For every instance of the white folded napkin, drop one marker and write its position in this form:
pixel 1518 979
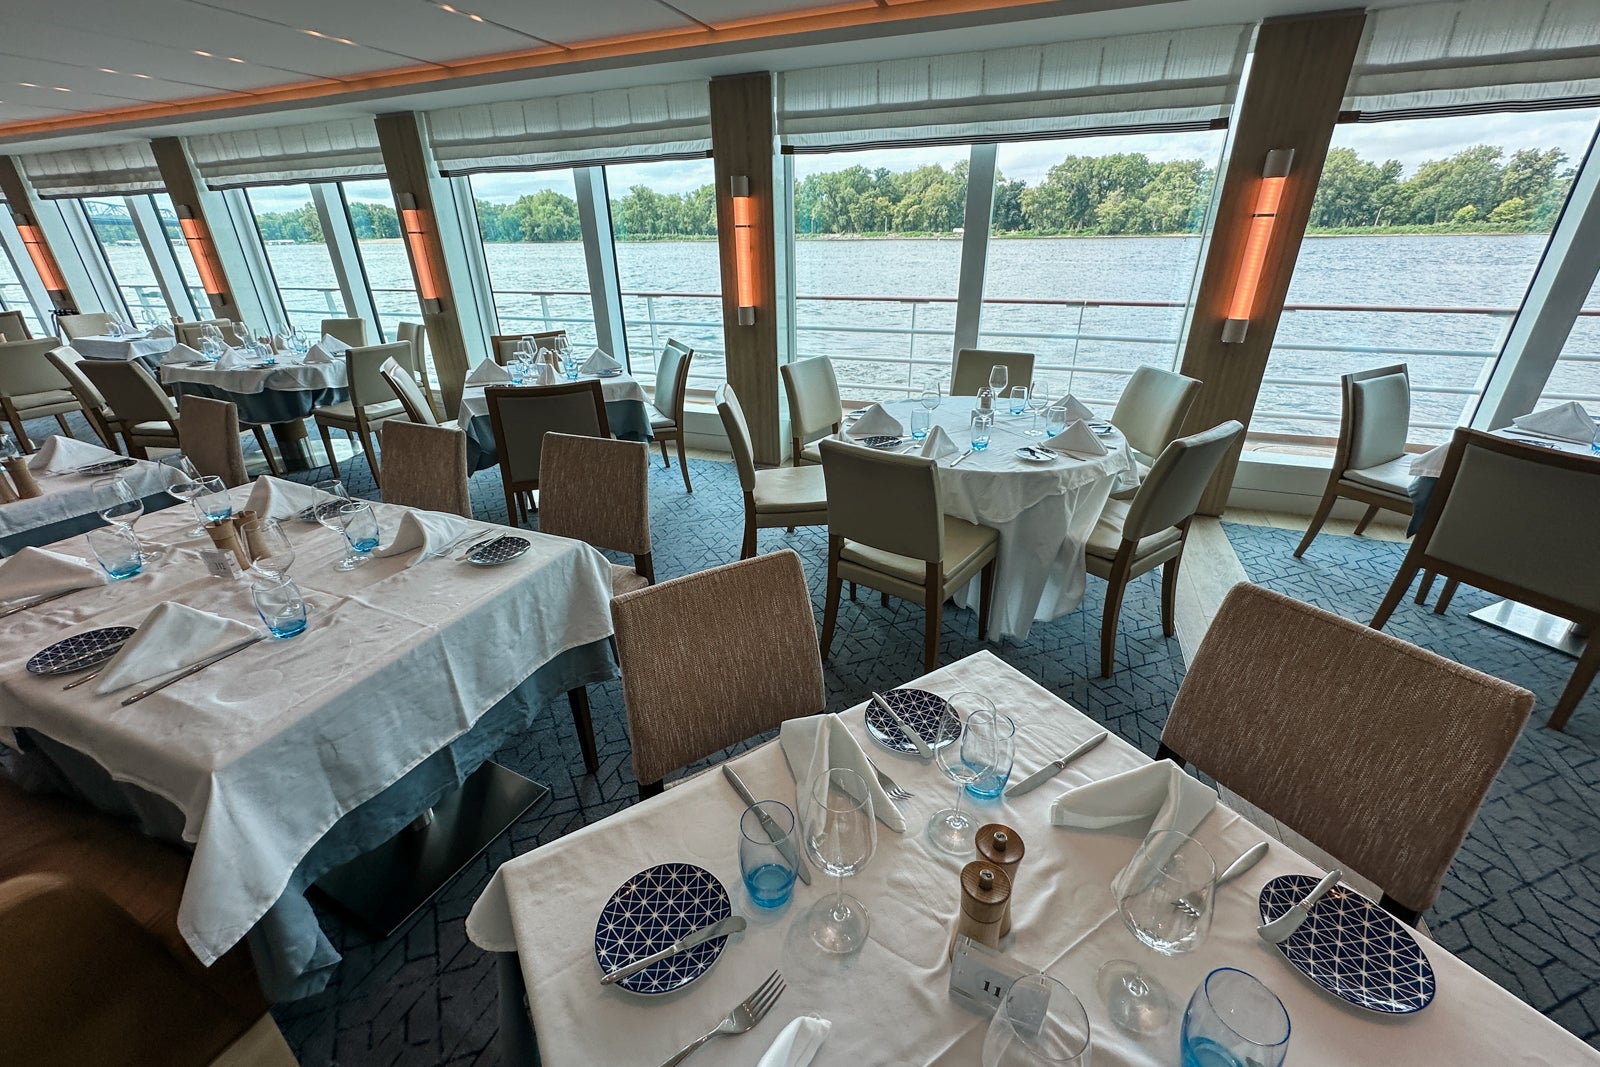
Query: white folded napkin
pixel 170 638
pixel 1078 439
pixel 876 423
pixel 599 360
pixel 938 445
pixel 431 531
pixel 181 353
pixel 318 354
pixel 1178 801
pixel 60 453
pixel 1076 409
pixel 1568 421
pixel 815 743
pixel 488 373
pixel 235 359
pixel 35 572
pixel 796 1043
pixel 277 498
pixel 160 329
pixel 332 345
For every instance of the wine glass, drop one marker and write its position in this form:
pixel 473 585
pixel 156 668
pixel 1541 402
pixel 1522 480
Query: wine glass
pixel 327 513
pixel 998 376
pixel 964 762
pixel 841 833
pixel 121 506
pixel 1040 1021
pixel 1038 400
pixel 933 395
pixel 277 554
pixel 212 502
pixel 184 485
pixel 360 528
pixel 1164 899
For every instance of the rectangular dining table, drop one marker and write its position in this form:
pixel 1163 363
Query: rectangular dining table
pixel 889 1003
pixel 68 504
pixel 293 757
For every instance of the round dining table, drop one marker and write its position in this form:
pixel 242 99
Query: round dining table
pixel 627 413
pixel 281 395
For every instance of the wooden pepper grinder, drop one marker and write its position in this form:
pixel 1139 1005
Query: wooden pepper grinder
pixel 984 893
pixel 23 477
pixel 7 493
pixel 226 537
pixel 249 534
pixel 1002 847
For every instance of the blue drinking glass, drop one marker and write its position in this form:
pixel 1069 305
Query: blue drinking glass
pixel 280 606
pixel 1234 1021
pixel 991 740
pixel 982 427
pixel 768 873
pixel 360 527
pixel 116 549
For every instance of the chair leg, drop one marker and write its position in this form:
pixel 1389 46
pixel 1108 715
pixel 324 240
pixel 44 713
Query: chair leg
pixel 578 699
pixel 933 599
pixel 883 600
pixel 327 443
pixel 1397 590
pixel 651 789
pixel 985 597
pixel 683 464
pixel 748 549
pixel 369 443
pixel 1329 497
pixel 1450 586
pixel 852 592
pixel 20 431
pixel 665 462
pixel 266 450
pixel 1424 587
pixel 1577 685
pixel 513 509
pixel 61 420
pixel 1366 520
pixel 830 602
pixel 1169 595
pixel 1116 585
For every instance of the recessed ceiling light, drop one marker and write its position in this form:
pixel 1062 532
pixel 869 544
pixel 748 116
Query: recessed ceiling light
pixel 235 59
pixel 202 52
pixel 29 85
pixel 146 77
pixel 107 70
pixel 475 18
pixel 59 89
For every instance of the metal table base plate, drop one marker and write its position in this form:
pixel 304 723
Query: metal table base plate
pixel 1535 625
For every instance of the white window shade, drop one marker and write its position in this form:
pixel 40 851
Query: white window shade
pixel 322 151
pixel 1173 80
pixel 1476 55
pixel 111 170
pixel 651 121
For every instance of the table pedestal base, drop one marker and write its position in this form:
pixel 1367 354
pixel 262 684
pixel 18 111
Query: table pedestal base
pixel 1552 631
pixel 385 887
pixel 293 445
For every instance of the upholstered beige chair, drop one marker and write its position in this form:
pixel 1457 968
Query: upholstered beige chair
pixel 416 334
pixel 143 413
pixel 93 324
pixel 887 530
pixel 746 664
pixel 13 327
pixel 1376 750
pixel 30 388
pixel 504 345
pixel 597 490
pixel 189 333
pixel 208 432
pixel 65 361
pixel 426 467
pixel 672 385
pixel 1517 521
pixel 352 332
pixel 815 408
pixel 1152 407
pixel 410 393
pixel 1137 536
pixel 1369 461
pixel 778 496
pixel 972 366
pixel 520 416
pixel 371 402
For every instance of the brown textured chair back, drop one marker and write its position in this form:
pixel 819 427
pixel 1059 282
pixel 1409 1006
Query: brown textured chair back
pixel 188 333
pixel 352 332
pixel 814 404
pixel 92 324
pixel 425 467
pixel 410 393
pixel 596 489
pixel 26 369
pixel 1378 751
pixel 66 360
pixel 1171 493
pixel 884 501
pixel 747 663
pixel 1152 407
pixel 208 433
pixel 13 327
pixel 130 391
pixel 504 345
pixel 972 367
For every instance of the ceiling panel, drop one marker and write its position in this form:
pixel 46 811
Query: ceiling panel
pixel 576 23
pixel 83 51
pixel 722 12
pixel 410 28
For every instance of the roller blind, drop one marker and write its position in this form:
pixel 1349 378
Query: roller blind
pixel 1170 80
pixel 1476 55
pixel 646 122
pixel 320 151
pixel 111 170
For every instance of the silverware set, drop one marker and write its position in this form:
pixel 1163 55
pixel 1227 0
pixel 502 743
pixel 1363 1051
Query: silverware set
pixel 468 553
pixel 192 669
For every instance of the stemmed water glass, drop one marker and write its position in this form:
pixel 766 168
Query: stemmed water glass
pixel 186 486
pixel 1038 400
pixel 998 376
pixel 277 554
pixel 841 833
pixel 327 513
pixel 360 527
pixel 1164 899
pixel 964 759
pixel 121 506
pixel 211 501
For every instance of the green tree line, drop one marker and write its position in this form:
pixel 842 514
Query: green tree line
pixel 1479 189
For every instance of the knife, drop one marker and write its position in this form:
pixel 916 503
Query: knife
pixel 730 925
pixel 193 669
pixel 911 735
pixel 1055 767
pixel 1283 927
pixel 784 844
pixel 36 601
pixel 468 553
pixel 958 459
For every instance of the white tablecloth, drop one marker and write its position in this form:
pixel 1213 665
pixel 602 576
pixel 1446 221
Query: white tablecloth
pixel 288 374
pixel 123 348
pixel 265 751
pixel 620 388
pixel 889 1003
pixel 68 497
pixel 1043 511
pixel 1430 464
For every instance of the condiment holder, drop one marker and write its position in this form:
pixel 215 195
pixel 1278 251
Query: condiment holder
pixel 1002 847
pixel 26 487
pixel 985 890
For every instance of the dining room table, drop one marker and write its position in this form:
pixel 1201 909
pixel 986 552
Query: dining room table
pixel 66 471
pixel 890 1002
pixel 627 413
pixel 1043 509
pixel 145 347
pixel 293 757
pixel 281 393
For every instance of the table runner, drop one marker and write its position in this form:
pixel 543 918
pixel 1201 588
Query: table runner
pixel 889 1003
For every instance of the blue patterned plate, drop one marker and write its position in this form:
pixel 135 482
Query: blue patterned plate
pixel 921 711
pixel 880 441
pixel 1352 948
pixel 500 550
pixel 652 910
pixel 609 373
pixel 108 466
pixel 81 651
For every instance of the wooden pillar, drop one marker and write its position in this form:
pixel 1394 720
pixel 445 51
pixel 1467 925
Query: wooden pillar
pixel 1297 82
pixel 24 204
pixel 742 144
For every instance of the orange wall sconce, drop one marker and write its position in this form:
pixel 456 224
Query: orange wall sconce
pixel 1262 221
pixel 203 251
pixel 744 248
pixel 414 225
pixel 43 261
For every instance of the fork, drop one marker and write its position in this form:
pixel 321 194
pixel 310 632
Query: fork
pixel 742 1018
pixel 889 786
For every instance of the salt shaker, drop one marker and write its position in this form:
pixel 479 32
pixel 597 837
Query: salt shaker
pixel 984 893
pixel 23 477
pixel 7 493
pixel 1002 847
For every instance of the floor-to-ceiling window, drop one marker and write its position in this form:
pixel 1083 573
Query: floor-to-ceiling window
pixel 1422 240
pixel 533 251
pixel 369 206
pixel 111 221
pixel 1576 375
pixel 184 257
pixel 302 269
pixel 13 297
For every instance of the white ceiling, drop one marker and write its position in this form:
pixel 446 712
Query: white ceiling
pixel 116 54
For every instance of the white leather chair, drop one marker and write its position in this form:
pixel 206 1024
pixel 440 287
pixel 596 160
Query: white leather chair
pixel 815 409
pixel 778 496
pixel 1370 463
